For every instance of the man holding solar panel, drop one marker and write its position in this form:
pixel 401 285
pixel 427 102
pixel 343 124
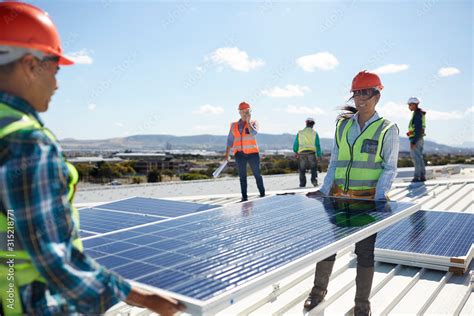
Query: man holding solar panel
pixel 363 165
pixel 43 269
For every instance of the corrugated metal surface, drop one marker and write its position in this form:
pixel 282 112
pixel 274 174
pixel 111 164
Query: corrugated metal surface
pixel 397 289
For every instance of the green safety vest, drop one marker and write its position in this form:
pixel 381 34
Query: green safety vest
pixel 307 140
pixel 21 267
pixel 411 126
pixel 359 166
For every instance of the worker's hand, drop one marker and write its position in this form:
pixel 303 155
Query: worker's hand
pixel 315 194
pixel 297 156
pixel 412 146
pixel 226 156
pixel 163 305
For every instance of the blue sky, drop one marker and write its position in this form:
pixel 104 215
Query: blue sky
pixel 182 68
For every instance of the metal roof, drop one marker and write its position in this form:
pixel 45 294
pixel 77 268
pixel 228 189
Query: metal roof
pixel 397 289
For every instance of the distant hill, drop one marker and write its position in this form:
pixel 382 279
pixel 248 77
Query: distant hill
pixel 218 143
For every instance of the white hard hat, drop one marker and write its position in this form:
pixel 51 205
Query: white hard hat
pixel 310 119
pixel 413 100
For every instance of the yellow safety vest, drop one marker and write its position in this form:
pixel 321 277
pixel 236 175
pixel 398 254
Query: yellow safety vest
pixel 307 140
pixel 14 259
pixel 359 166
pixel 411 126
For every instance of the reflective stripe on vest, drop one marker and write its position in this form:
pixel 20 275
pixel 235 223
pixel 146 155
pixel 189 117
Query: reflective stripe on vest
pixel 411 126
pixel 12 121
pixel 307 140
pixel 245 142
pixel 359 166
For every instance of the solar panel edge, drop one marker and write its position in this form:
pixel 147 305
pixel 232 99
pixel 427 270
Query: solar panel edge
pixel 193 306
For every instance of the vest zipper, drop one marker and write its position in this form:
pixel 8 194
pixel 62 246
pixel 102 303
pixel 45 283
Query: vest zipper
pixel 348 170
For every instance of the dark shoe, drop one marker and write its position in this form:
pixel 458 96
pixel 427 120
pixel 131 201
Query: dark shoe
pixel 313 300
pixel 321 281
pixel 422 179
pixel 302 186
pixel 262 194
pixel 364 278
pixel 415 180
pixel 315 183
pixel 362 310
pixel 243 200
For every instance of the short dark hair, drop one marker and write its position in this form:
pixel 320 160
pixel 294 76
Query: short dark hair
pixel 309 123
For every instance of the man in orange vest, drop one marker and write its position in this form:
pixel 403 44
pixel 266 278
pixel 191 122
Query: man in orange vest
pixel 242 140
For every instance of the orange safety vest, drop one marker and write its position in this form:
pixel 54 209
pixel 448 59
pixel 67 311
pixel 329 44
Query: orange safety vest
pixel 245 142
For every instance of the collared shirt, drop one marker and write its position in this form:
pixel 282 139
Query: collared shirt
pixel 391 144
pixel 296 144
pixel 33 185
pixel 253 131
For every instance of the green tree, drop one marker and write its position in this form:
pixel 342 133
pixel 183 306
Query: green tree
pixel 84 170
pixel 136 180
pixel 153 176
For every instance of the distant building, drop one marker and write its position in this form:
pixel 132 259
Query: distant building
pixel 145 162
pixel 93 160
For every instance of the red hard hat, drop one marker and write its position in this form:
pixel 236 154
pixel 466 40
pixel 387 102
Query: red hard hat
pixel 244 106
pixel 24 25
pixel 366 80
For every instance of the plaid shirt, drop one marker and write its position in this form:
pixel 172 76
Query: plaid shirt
pixel 33 184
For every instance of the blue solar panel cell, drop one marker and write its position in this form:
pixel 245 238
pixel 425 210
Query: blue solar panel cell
pixel 134 212
pixel 101 221
pixel 447 234
pixel 157 207
pixel 207 253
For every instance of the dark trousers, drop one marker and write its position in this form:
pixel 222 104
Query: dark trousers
pixel 308 161
pixel 254 161
pixel 364 250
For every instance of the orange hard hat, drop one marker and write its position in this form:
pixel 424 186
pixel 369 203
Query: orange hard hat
pixel 366 80
pixel 26 26
pixel 244 106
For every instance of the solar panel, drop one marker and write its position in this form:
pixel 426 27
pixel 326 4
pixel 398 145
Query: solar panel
pixel 432 239
pixel 96 220
pixel 205 258
pixel 133 212
pixel 157 207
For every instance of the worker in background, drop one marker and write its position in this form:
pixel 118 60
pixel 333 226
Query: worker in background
pixel 363 165
pixel 416 132
pixel 52 274
pixel 307 147
pixel 242 140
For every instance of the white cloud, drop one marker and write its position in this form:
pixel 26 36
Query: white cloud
pixel 81 57
pixel 119 124
pixel 394 111
pixel 205 128
pixel 92 107
pixel 443 116
pixel 288 91
pixel 391 68
pixel 209 109
pixel 235 58
pixel 322 61
pixel 470 110
pixel 448 71
pixel 293 109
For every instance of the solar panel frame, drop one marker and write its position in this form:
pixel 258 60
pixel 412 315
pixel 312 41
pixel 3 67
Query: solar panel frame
pixel 225 299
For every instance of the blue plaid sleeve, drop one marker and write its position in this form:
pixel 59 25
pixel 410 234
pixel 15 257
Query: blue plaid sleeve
pixel 33 184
